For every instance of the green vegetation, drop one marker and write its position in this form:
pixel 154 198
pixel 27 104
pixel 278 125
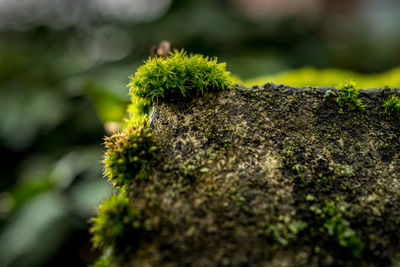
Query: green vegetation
pixel 309 76
pixel 117 224
pixel 348 97
pixel 127 154
pixel 178 76
pixel 392 106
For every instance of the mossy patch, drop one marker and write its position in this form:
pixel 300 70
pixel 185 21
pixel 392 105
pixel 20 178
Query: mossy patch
pixel 179 76
pixel 392 106
pixel 127 154
pixel 118 226
pixel 348 97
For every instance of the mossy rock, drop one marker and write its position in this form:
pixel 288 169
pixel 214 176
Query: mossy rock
pixel 270 176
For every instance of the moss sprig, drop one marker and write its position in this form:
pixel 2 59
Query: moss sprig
pixel 127 154
pixel 179 76
pixel 116 224
pixel 348 97
pixel 392 106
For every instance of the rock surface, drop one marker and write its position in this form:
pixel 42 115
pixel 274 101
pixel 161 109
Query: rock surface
pixel 271 176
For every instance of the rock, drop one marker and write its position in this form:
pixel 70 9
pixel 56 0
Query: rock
pixel 271 176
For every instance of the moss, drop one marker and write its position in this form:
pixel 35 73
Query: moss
pixel 348 97
pixel 117 225
pixel 127 154
pixel 179 76
pixel 137 112
pixel 392 106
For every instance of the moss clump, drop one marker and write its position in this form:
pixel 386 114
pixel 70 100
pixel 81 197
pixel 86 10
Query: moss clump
pixel 127 154
pixel 178 76
pixel 392 106
pixel 348 97
pixel 117 224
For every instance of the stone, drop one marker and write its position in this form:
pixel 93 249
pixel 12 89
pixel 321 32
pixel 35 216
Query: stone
pixel 271 176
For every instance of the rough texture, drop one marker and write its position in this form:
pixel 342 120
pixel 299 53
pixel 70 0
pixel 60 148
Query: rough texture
pixel 271 176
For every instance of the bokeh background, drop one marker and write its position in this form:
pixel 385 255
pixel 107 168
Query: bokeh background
pixel 64 66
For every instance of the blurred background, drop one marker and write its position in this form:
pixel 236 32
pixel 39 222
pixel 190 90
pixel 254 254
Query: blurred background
pixel 64 66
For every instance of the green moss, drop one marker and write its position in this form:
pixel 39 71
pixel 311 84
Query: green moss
pixel 116 224
pixel 137 112
pixel 127 154
pixel 178 76
pixel 348 97
pixel 392 106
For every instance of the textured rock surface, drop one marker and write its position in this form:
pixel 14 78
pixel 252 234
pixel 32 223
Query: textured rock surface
pixel 271 176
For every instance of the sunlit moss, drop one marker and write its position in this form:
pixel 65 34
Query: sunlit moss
pixel 108 227
pixel 392 106
pixel 178 76
pixel 126 155
pixel 348 97
pixel 137 112
pixel 116 224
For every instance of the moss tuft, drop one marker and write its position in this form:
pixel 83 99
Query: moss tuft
pixel 178 76
pixel 117 224
pixel 127 154
pixel 348 97
pixel 392 106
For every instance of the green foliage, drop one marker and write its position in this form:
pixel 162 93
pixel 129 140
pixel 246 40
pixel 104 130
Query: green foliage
pixel 392 106
pixel 308 76
pixel 115 224
pixel 348 97
pixel 336 231
pixel 127 154
pixel 179 76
